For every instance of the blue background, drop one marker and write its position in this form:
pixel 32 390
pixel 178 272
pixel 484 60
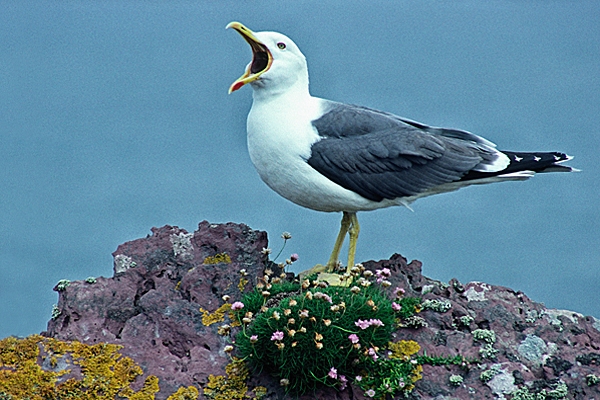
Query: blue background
pixel 115 117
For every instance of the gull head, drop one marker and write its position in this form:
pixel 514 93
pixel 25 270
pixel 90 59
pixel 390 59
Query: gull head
pixel 277 63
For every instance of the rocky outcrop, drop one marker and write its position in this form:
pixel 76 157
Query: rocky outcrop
pixel 167 287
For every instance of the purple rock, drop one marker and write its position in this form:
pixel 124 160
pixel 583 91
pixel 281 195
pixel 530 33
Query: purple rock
pixel 151 306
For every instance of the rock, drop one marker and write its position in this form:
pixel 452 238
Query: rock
pixel 151 305
pixel 164 287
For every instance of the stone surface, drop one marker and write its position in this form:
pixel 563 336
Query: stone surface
pixel 151 306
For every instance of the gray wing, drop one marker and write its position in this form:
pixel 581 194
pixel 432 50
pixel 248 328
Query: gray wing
pixel 382 156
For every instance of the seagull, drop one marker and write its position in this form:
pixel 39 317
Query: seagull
pixel 335 157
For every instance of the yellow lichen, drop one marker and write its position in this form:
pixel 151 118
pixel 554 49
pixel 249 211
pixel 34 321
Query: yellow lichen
pixel 13 350
pixel 105 373
pixel 260 392
pixel 230 387
pixel 415 376
pixel 218 316
pixel 242 285
pixel 234 322
pixel 147 392
pixel 403 349
pixel 417 373
pixel 185 393
pixel 217 259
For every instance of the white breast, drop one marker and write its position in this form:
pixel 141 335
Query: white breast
pixel 280 135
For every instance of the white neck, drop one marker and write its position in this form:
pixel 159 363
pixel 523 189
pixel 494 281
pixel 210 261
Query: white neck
pixel 268 92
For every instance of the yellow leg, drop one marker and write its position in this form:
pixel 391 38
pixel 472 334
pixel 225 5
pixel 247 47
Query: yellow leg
pixel 335 254
pixel 348 226
pixel 353 232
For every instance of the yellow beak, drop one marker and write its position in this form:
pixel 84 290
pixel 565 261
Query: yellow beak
pixel 261 57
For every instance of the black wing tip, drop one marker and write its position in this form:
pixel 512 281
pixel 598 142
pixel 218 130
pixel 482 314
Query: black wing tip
pixel 538 162
pixel 525 164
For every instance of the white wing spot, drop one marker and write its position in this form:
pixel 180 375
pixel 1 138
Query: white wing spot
pixel 556 158
pixel 536 158
pixel 517 158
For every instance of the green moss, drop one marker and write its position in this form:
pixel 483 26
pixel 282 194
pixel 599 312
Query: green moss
pixel 489 374
pixel 456 380
pixel 524 394
pixel 488 351
pixel 440 306
pixel 489 337
pixel 485 335
pixel 592 379
pixel 414 322
pixel 55 312
pixel 560 391
pixel 62 285
pixel 387 377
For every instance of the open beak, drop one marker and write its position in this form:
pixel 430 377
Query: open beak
pixel 261 57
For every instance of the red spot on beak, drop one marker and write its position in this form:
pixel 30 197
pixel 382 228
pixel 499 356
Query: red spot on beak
pixel 237 86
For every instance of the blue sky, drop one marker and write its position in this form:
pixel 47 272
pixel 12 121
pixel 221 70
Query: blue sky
pixel 115 117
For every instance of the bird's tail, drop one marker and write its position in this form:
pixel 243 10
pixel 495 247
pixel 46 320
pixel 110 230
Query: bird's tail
pixel 523 165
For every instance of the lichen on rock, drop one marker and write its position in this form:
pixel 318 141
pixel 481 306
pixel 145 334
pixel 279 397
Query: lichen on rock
pixel 38 367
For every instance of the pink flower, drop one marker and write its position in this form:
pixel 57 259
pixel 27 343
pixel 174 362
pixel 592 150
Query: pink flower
pixel 353 338
pixel 362 324
pixel 399 292
pixel 343 382
pixel 324 296
pixel 382 274
pixel 358 378
pixel 238 305
pixel 253 338
pixel 327 298
pixel 370 393
pixel 375 322
pixel 396 307
pixel 294 257
pixel 277 335
pixel 332 373
pixel 373 354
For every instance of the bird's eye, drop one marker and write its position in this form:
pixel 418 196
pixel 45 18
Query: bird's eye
pixel 281 45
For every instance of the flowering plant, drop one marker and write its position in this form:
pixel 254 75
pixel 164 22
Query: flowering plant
pixel 308 334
